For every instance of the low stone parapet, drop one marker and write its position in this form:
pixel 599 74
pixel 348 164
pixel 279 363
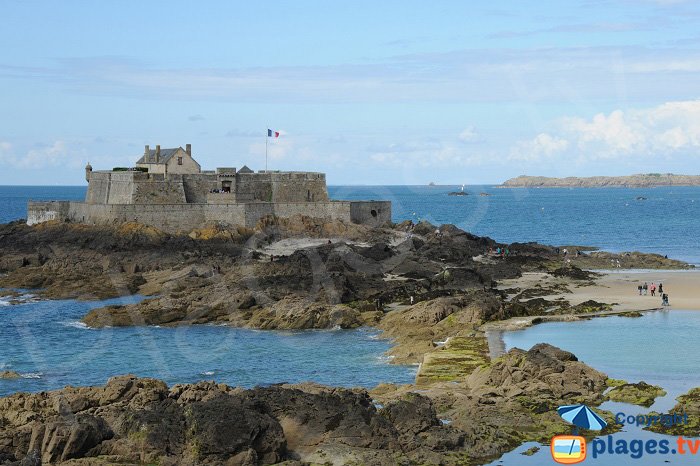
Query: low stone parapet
pixel 46 211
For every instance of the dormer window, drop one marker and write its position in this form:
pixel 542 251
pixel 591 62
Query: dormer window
pixel 179 160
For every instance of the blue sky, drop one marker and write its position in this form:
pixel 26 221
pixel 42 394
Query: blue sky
pixel 392 92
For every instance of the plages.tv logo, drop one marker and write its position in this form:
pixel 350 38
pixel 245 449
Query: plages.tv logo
pixel 571 449
pixel 568 449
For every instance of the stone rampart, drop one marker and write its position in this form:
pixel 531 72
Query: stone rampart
pixel 174 218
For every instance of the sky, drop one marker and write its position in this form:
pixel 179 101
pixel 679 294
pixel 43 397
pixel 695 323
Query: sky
pixel 388 93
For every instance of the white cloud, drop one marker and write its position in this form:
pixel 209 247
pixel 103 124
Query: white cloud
pixel 469 135
pixel 56 154
pixel 468 75
pixel 429 153
pixel 541 146
pixel 672 128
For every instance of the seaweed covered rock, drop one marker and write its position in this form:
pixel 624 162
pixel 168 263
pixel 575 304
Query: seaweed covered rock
pixel 687 408
pixel 642 393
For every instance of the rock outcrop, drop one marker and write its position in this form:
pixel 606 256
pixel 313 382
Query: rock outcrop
pixel 631 181
pixel 142 421
pixel 514 400
pixel 686 413
pixel 132 420
pixel 641 393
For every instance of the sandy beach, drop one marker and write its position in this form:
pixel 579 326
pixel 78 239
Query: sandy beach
pixel 620 288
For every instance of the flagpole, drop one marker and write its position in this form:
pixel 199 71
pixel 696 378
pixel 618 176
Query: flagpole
pixel 267 136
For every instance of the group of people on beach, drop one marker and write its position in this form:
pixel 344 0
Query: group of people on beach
pixel 646 288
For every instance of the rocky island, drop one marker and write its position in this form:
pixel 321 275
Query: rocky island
pixel 432 290
pixel 632 181
pixel 271 251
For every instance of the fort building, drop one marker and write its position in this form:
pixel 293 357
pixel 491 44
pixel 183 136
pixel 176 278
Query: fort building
pixel 168 189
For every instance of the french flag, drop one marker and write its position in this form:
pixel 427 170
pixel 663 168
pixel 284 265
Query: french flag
pixel 272 134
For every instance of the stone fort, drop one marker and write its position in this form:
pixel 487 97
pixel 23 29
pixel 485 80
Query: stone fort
pixel 168 189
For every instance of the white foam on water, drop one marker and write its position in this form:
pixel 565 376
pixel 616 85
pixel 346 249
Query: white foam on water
pixel 208 373
pixel 385 358
pixel 77 324
pixel 32 375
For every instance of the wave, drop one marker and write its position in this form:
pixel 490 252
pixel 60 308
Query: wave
pixel 77 324
pixel 208 373
pixel 385 358
pixel 32 375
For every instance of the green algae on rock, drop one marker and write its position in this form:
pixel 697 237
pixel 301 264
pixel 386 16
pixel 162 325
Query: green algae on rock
pixel 688 404
pixel 642 393
pixel 455 360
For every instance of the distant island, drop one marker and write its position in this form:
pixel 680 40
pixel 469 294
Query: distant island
pixel 631 181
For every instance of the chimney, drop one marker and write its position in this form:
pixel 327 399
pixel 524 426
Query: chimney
pixel 158 153
pixel 188 149
pixel 146 153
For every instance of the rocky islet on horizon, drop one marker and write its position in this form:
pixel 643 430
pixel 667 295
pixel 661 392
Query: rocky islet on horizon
pixel 647 180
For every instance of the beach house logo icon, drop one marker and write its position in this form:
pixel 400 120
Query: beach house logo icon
pixel 571 449
pixel 568 449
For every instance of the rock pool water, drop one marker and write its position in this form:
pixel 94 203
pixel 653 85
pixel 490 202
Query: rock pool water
pixel 46 343
pixel 657 348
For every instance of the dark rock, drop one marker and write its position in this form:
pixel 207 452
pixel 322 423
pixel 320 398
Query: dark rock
pixel 574 272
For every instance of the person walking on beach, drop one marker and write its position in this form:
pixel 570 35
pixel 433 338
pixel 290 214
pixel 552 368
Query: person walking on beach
pixel 645 287
pixel 639 288
pixel 653 289
pixel 661 288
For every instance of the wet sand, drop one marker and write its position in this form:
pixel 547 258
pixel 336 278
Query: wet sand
pixel 620 288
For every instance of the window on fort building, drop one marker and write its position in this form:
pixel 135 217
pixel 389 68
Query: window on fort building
pixel 179 160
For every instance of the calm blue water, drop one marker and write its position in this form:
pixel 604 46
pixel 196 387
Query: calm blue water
pixel 13 199
pixel 659 348
pixel 609 218
pixel 45 342
pixel 653 348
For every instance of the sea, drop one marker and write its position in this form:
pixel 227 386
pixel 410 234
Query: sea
pixel 46 343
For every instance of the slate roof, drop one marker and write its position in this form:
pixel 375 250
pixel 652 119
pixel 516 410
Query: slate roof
pixel 165 155
pixel 245 169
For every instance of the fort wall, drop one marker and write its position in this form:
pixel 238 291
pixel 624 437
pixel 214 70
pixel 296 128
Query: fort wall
pixel 281 187
pixel 182 202
pixel 121 187
pixel 173 218
pixel 154 191
pixel 46 211
pixel 197 187
pixel 98 189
